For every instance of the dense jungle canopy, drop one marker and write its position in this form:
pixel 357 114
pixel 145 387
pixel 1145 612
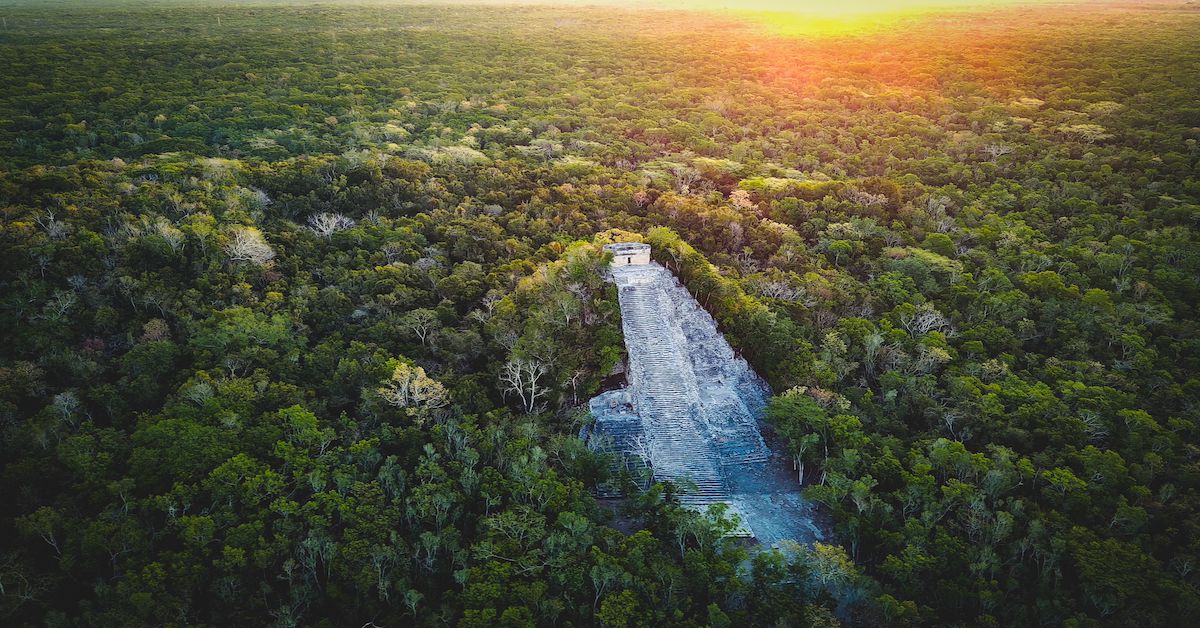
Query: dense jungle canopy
pixel 299 305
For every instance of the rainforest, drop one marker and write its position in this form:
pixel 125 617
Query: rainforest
pixel 302 304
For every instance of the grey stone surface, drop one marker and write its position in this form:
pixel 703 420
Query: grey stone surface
pixel 691 410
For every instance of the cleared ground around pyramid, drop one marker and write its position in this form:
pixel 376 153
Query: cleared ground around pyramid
pixel 691 410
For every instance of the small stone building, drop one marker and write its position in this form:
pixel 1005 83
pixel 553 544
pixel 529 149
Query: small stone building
pixel 629 253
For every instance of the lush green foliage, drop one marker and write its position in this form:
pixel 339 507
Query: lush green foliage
pixel 297 309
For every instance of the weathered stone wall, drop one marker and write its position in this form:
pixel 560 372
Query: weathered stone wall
pixel 637 259
pixel 629 254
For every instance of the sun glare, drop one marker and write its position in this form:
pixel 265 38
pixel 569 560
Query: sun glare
pixel 818 17
pixel 831 17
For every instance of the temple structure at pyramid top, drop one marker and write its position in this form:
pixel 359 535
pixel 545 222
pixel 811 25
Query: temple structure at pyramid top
pixel 629 253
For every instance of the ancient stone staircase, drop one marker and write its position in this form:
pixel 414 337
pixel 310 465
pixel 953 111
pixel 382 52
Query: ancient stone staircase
pixel 665 397
pixel 687 386
pixel 691 408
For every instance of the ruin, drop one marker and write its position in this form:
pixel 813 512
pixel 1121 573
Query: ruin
pixel 629 253
pixel 691 408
